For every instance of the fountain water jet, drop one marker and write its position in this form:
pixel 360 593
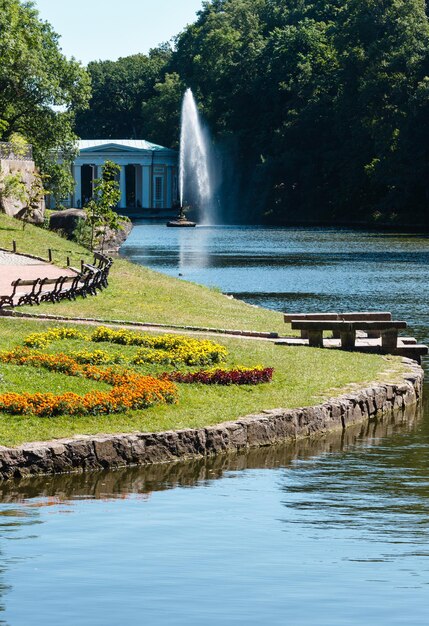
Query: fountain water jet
pixel 196 162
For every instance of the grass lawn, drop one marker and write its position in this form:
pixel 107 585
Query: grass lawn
pixel 302 376
pixel 136 293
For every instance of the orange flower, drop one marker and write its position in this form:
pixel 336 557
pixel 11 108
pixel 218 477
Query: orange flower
pixel 129 389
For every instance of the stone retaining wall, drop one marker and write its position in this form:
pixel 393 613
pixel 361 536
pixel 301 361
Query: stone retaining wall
pixel 270 427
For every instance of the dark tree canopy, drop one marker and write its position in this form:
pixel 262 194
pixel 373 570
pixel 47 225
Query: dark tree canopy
pixel 323 104
pixel 120 89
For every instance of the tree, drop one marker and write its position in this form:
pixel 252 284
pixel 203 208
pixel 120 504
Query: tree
pixel 382 50
pixel 40 90
pixel 100 209
pixel 161 112
pixel 320 107
pixel 119 89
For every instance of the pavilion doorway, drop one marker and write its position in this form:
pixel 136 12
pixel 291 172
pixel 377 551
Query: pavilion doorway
pixel 87 189
pixel 130 186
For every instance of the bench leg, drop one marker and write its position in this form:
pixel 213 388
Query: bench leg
pixel 304 334
pixel 389 339
pixel 348 339
pixel 315 338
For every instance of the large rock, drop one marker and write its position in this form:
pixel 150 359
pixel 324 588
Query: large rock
pixel 13 206
pixel 66 220
pixel 113 239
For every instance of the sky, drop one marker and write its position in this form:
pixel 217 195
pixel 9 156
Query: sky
pixel 93 30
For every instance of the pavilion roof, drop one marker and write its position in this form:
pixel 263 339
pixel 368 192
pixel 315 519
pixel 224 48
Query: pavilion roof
pixel 127 144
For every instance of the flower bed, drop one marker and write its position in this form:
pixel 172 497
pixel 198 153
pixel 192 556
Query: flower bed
pixel 42 340
pixel 130 390
pixel 163 349
pixel 221 376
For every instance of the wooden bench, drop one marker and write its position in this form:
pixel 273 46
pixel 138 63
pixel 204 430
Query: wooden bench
pixel 388 330
pixel 56 289
pixel 101 260
pixel 18 297
pixel 352 316
pixel 38 290
pixel 93 276
pixel 86 280
pixel 98 270
pixel 103 263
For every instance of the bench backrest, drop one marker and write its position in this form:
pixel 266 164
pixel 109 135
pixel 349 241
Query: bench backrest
pixel 19 282
pixel 368 316
pixel 354 315
pixel 288 317
pixel 348 326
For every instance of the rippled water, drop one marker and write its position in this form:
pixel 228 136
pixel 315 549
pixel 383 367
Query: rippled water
pixel 296 269
pixel 329 532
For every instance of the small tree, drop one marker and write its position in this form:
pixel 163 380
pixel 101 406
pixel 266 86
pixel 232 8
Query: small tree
pixel 34 196
pixel 30 195
pixel 100 209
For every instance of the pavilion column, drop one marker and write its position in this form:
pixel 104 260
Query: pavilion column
pixel 77 175
pixel 146 187
pixel 169 190
pixel 139 186
pixel 99 172
pixel 123 189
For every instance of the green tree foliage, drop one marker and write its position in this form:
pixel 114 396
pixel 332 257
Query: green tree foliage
pixel 120 90
pixel 323 103
pixel 100 209
pixel 382 51
pixel 40 90
pixel 161 112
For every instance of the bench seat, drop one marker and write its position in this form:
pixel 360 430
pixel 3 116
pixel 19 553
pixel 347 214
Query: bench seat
pixel 347 331
pixel 350 316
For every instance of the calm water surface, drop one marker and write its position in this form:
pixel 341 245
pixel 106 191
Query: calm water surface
pixel 296 269
pixel 334 532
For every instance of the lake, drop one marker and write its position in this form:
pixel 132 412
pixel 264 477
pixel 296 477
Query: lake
pixel 330 532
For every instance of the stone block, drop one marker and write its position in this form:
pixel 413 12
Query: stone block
pixel 259 432
pixel 237 434
pixel 106 452
pixel 217 439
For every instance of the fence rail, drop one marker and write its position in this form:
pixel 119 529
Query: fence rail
pixel 12 152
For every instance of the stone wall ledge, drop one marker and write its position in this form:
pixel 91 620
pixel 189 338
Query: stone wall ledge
pixel 89 452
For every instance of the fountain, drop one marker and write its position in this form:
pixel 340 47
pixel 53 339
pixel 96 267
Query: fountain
pixel 195 165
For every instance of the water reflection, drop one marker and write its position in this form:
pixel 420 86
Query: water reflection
pixel 258 527
pixel 270 531
pixel 144 480
pixel 193 250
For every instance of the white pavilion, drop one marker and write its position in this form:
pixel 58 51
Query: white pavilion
pixel 148 176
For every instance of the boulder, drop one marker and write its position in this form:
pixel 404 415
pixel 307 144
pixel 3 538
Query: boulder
pixel 66 220
pixel 113 239
pixel 15 207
